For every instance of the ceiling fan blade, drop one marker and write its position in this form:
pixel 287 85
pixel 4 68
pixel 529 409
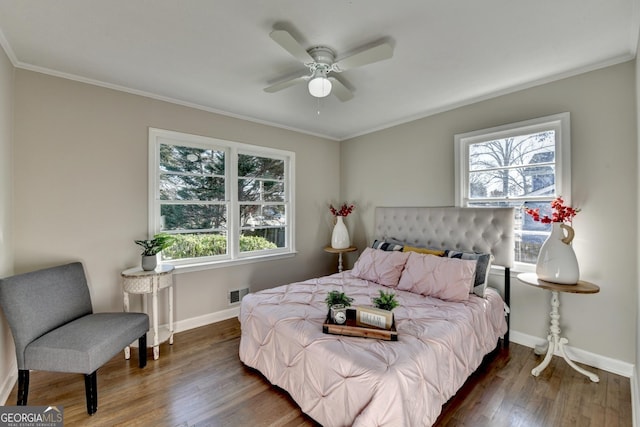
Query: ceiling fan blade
pixel 340 90
pixel 286 83
pixel 374 54
pixel 291 45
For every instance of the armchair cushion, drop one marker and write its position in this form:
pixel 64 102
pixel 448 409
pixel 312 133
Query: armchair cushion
pixel 85 344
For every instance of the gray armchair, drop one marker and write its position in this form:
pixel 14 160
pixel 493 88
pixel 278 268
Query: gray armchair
pixel 54 328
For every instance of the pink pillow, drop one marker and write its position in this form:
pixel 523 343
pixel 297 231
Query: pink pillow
pixel 383 267
pixel 445 278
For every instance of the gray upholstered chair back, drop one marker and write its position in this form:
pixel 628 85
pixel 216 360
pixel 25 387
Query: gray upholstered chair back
pixel 38 302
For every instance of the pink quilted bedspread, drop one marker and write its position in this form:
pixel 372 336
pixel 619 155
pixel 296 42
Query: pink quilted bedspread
pixel 344 381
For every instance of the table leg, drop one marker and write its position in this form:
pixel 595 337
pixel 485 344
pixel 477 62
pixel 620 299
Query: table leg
pixel 154 308
pixel 554 341
pixel 340 262
pixel 127 349
pixel 170 289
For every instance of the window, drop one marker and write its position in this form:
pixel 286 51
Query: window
pixel 222 201
pixel 516 165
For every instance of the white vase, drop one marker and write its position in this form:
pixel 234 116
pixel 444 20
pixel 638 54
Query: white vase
pixel 340 235
pixel 557 262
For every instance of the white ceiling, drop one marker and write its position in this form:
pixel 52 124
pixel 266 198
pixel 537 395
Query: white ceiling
pixel 217 54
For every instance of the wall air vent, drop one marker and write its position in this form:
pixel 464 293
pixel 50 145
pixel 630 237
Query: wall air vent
pixel 236 295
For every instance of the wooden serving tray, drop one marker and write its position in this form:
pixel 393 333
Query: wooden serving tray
pixel 351 330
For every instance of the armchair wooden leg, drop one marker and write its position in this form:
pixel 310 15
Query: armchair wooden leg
pixel 23 386
pixel 142 351
pixel 91 389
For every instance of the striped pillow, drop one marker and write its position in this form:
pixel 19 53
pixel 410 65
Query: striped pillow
pixel 386 246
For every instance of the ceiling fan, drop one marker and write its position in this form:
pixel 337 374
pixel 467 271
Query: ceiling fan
pixel 321 60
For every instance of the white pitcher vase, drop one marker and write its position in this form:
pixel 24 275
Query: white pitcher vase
pixel 340 235
pixel 557 262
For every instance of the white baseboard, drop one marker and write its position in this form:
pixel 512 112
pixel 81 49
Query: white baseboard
pixel 196 322
pixel 9 382
pixel 635 395
pixel 608 364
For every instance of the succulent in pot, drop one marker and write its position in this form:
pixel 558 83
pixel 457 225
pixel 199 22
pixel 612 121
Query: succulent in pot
pixel 152 247
pixel 385 301
pixel 337 297
pixel 338 302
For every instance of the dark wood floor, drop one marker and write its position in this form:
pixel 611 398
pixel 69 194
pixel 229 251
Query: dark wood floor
pixel 199 381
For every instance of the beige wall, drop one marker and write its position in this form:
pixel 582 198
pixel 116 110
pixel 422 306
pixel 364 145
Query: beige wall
pixel 412 165
pixel 635 382
pixel 7 354
pixel 81 189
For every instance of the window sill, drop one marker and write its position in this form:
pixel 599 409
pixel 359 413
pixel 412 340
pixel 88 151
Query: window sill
pixel 188 268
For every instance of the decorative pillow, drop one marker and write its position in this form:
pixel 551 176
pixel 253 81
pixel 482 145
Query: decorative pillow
pixel 436 252
pixel 386 246
pixel 431 275
pixel 394 241
pixel 482 269
pixel 383 267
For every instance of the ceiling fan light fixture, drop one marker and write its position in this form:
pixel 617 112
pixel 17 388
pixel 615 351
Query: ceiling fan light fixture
pixel 319 85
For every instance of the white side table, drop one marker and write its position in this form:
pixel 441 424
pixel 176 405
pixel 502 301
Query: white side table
pixel 138 281
pixel 554 341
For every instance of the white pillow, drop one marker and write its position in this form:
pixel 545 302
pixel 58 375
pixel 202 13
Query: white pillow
pixel 445 278
pixel 383 267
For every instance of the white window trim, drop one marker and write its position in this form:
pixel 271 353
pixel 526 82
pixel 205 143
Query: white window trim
pixel 561 123
pixel 234 256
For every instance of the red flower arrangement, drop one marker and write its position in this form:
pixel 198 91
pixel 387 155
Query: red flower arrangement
pixel 561 212
pixel 343 211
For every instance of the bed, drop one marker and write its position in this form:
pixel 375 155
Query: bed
pixel 339 380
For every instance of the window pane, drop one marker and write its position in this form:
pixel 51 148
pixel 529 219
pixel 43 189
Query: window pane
pixel 253 190
pixel 190 187
pixel 252 216
pixel 175 158
pixel 515 151
pixel 262 224
pixel 195 245
pixel 262 227
pixel 193 217
pixel 516 182
pixel 275 214
pixel 260 167
pixel 530 234
pixel 257 239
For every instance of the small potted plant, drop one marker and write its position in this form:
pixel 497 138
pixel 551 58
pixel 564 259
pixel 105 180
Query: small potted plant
pixel 338 302
pixel 151 249
pixel 385 301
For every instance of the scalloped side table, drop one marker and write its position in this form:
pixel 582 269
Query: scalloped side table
pixel 138 281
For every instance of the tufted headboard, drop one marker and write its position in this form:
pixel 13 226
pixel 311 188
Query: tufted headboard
pixel 486 230
pixel 483 230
